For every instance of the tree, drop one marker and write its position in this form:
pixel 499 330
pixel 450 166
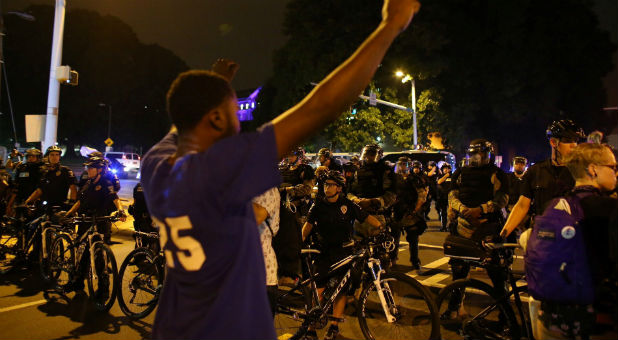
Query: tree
pixel 115 68
pixel 494 69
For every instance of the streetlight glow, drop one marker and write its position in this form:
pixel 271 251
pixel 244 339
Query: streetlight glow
pixel 399 74
pixel 409 78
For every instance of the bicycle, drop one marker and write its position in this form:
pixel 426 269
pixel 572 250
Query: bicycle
pixel 16 238
pixel 484 314
pixel 141 278
pixel 66 257
pixel 391 304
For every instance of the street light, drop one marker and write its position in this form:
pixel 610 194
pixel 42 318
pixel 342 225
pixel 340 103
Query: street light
pixel 404 78
pixel 109 117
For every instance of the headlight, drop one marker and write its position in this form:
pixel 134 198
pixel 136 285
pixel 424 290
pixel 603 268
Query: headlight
pixel 114 171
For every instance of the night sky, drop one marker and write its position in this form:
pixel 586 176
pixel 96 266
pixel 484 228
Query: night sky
pixel 199 31
pixel 248 31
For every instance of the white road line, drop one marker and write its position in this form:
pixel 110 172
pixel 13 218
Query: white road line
pixel 437 263
pixel 435 278
pixel 423 245
pixel 23 305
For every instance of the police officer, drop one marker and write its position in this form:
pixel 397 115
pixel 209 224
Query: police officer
pixel 411 192
pixel 373 186
pixel 108 174
pixel 548 179
pixel 325 156
pixel 98 196
pixel 296 187
pixel 445 184
pixel 27 178
pixel 480 192
pixel 56 181
pixel 431 174
pixel 515 180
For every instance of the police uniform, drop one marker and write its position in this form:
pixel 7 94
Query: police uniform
pixel 110 176
pixel 374 181
pixel 97 199
pixel 55 183
pixel 544 182
pixel 334 225
pixel 27 178
pixel 487 187
pixel 335 165
pixel 442 202
pixel 409 191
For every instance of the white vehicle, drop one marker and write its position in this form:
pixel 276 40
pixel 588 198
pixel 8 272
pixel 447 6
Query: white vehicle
pixel 130 161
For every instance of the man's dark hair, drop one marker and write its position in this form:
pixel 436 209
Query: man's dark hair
pixel 193 94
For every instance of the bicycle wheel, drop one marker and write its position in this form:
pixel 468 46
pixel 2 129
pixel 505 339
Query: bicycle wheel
pixel 141 280
pixel 290 313
pixel 103 289
pixel 479 315
pixel 411 305
pixel 45 255
pixel 61 260
pixel 10 244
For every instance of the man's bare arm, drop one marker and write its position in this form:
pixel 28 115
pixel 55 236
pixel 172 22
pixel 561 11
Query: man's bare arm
pixel 341 88
pixel 517 215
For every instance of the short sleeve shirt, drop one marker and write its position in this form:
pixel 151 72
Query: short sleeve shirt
pixel 55 183
pixel 215 287
pixel 271 201
pixel 97 197
pixel 334 222
pixel 543 182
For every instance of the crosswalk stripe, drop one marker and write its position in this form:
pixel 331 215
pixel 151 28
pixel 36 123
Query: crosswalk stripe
pixel 437 263
pixel 435 279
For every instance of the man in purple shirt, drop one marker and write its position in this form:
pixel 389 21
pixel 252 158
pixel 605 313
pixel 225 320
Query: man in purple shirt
pixel 199 181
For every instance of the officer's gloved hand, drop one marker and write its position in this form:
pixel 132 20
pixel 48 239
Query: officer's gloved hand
pixel 472 213
pixel 122 216
pixel 365 203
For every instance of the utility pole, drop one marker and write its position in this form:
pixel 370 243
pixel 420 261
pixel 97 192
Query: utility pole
pixel 53 95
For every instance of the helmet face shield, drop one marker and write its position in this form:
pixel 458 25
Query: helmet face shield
pixel 371 155
pixel 479 153
pixel 403 166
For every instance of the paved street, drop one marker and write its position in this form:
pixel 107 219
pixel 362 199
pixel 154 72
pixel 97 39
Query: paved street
pixel 26 314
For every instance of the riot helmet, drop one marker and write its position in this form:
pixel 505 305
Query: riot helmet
pixel 480 152
pixel 371 153
pixel 297 152
pixel 325 152
pixel 403 165
pixel 565 130
pixel 520 160
pixel 417 166
pixel 431 163
pixel 445 165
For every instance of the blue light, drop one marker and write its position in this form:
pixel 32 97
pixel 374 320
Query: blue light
pixel 353 111
pixel 114 171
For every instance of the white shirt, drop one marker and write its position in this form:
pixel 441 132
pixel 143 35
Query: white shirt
pixel 269 200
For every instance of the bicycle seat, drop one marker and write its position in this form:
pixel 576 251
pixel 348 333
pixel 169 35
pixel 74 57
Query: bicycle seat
pixel 464 248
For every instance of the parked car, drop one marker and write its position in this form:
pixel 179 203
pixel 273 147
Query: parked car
pixel 130 161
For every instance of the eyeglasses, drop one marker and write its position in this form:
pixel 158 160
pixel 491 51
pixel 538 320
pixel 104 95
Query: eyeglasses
pixel 611 166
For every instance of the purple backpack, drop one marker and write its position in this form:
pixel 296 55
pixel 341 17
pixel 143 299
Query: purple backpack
pixel 557 266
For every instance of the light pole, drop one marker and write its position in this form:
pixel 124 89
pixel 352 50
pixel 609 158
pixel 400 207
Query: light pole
pixel 407 77
pixel 53 94
pixel 109 117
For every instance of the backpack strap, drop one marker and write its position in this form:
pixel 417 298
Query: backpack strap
pixel 272 234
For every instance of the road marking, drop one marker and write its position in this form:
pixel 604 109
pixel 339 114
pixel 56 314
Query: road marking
pixel 23 305
pixel 423 245
pixel 437 263
pixel 435 279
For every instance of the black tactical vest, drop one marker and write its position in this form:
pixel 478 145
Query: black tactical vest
pixel 475 187
pixel 368 181
pixel 292 177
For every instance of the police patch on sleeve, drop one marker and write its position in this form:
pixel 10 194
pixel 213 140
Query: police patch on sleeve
pixel 344 209
pixel 568 232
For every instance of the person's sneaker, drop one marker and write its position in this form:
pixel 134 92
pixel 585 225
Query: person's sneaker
pixel 73 286
pixel 332 332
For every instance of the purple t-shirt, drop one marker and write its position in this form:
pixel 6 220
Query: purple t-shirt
pixel 215 286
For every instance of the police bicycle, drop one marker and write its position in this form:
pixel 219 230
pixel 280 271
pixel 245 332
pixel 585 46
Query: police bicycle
pixel 141 277
pixel 391 305
pixel 18 237
pixel 68 250
pixel 482 313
